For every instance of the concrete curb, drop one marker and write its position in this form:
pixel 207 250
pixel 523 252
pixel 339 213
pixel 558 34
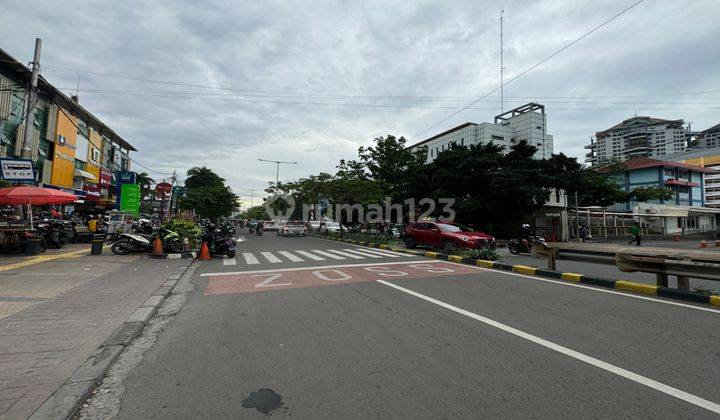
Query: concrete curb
pixel 66 400
pixel 176 256
pixel 622 285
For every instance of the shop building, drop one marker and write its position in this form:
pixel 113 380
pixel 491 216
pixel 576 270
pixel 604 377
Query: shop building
pixel 70 148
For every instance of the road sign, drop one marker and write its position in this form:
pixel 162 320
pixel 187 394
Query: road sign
pixel 163 188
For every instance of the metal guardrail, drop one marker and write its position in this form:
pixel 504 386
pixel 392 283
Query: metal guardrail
pixel 664 262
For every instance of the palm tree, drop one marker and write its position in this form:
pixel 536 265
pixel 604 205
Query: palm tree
pixel 144 180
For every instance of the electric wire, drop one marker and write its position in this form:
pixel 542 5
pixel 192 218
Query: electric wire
pixel 534 66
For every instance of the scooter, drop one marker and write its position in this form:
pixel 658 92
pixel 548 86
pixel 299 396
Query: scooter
pixel 516 246
pixel 137 242
pixel 219 243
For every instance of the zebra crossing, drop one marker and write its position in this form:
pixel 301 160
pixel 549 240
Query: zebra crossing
pixel 298 256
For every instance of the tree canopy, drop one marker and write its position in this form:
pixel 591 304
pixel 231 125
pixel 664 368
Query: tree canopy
pixel 489 184
pixel 207 194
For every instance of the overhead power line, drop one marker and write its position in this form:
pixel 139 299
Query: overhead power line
pixel 101 151
pixel 534 66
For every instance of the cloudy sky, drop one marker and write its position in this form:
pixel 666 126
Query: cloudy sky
pixel 312 81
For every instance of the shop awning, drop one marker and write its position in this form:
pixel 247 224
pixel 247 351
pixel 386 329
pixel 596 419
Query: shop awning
pixel 680 183
pixel 83 174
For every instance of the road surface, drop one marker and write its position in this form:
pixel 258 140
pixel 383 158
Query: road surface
pixel 309 328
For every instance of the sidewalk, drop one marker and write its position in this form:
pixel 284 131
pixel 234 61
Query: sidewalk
pixel 55 314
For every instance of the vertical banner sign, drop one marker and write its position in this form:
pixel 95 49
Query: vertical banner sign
pixel 123 177
pixel 130 199
pixel 177 192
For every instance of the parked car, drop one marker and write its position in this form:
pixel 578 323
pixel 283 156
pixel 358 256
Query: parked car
pixel 330 227
pixel 292 228
pixel 313 225
pixel 445 236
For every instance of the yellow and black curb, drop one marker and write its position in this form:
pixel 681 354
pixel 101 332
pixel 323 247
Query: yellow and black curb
pixel 623 285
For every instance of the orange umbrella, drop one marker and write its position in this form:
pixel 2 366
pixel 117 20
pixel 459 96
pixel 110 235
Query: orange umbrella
pixel 34 195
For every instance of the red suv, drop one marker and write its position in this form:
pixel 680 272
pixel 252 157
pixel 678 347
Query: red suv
pixel 445 236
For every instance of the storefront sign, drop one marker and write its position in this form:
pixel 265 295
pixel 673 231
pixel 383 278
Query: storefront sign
pixel 130 198
pixel 93 192
pixel 123 178
pixel 17 169
pixel 105 177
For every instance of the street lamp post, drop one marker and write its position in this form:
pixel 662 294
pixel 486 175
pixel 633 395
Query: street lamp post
pixel 277 168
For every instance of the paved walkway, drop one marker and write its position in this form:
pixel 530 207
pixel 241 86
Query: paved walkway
pixel 54 315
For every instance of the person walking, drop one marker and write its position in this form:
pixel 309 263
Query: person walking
pixel 635 232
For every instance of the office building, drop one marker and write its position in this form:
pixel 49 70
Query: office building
pixel 637 137
pixel 527 122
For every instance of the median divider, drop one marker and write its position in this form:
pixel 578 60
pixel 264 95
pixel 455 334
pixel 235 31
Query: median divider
pixel 622 285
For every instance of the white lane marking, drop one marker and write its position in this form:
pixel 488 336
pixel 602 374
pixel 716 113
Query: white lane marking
pixel 250 258
pixel 229 261
pixel 327 254
pixel 345 254
pixel 309 255
pixel 240 239
pixel 319 267
pixel 360 252
pixel 643 380
pixel 290 256
pixel 271 257
pixel 381 253
pixel 596 289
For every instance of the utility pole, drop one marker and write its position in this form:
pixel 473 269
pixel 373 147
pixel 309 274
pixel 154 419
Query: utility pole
pixel 277 168
pixel 502 66
pixel 25 149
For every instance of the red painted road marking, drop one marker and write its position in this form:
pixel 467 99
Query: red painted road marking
pixel 325 276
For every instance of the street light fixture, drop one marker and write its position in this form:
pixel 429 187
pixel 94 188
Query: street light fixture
pixel 277 169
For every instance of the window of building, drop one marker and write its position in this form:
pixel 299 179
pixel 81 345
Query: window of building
pixel 683 173
pixel 669 172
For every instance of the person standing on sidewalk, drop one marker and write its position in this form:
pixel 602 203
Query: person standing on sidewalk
pixel 635 232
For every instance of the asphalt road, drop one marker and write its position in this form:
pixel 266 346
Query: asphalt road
pixel 407 337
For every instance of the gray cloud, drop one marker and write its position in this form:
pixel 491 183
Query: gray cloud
pixel 389 48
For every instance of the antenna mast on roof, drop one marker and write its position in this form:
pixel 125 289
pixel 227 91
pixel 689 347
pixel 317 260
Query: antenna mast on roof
pixel 502 68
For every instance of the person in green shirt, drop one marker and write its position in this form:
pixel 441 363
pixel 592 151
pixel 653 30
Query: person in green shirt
pixel 635 232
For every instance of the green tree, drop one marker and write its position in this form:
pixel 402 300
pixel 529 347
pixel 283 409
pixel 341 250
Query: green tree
pixel 210 202
pixel 202 177
pixel 144 180
pixel 392 164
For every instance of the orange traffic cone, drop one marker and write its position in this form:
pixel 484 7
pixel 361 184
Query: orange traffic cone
pixel 204 252
pixel 703 244
pixel 157 247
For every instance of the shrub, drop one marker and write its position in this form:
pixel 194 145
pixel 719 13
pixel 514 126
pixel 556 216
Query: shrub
pixel 488 254
pixel 185 229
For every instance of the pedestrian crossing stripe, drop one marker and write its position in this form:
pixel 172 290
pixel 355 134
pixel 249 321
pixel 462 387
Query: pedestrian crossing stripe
pixel 309 255
pixel 277 257
pixel 327 254
pixel 356 251
pixel 345 254
pixel 271 257
pixel 290 256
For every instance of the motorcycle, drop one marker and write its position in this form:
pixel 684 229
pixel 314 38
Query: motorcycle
pixel 140 242
pixel 52 233
pixel 219 243
pixel 516 246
